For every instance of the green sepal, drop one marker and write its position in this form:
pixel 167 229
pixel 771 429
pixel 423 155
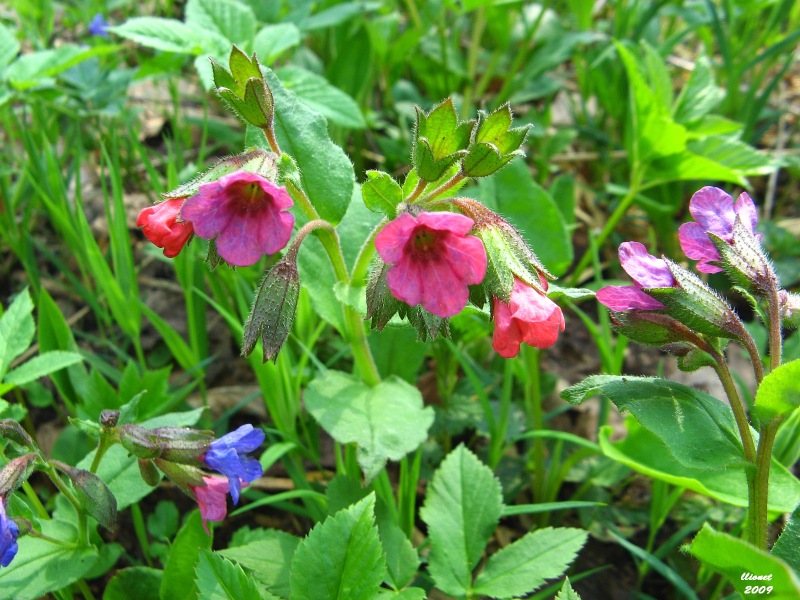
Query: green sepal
pixel 440 139
pixel 494 144
pixel 244 89
pixel 289 172
pixel 693 359
pixel 183 476
pixel 744 260
pixel 257 161
pixel 484 159
pixel 635 325
pixel 427 325
pixel 148 471
pixel 243 68
pixel 381 193
pixel 381 305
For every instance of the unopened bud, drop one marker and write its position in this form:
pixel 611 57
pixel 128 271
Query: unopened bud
pixel 183 476
pixel 182 444
pixel 93 494
pixel 440 139
pixel 109 418
pixel 745 261
pixel 790 309
pixel 16 472
pixel 494 144
pixel 244 89
pixel 148 471
pixel 13 431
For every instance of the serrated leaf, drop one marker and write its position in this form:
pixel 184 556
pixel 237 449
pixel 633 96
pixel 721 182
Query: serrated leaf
pixel 169 35
pixel 402 560
pixel 329 101
pixel 734 557
pixel 179 571
pixel 387 421
pixel 463 505
pixel 779 392
pixel 567 592
pixel 341 558
pixel 16 329
pixel 268 558
pixel 220 579
pixel 40 366
pixel 523 567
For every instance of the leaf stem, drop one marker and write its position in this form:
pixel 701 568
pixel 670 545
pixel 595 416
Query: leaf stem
pixel 759 508
pixel 452 182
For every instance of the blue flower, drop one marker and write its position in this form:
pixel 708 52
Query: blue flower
pixel 9 531
pixel 98 26
pixel 227 455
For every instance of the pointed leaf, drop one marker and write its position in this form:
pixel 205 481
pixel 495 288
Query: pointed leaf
pixel 779 393
pixel 40 366
pixel 220 579
pixel 16 329
pixel 179 572
pixel 268 558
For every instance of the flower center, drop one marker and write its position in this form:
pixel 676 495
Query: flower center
pixel 425 244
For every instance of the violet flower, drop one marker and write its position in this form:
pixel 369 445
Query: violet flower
pixel 98 26
pixel 646 270
pixel 9 532
pixel 244 213
pixel 434 260
pixel 714 212
pixel 228 456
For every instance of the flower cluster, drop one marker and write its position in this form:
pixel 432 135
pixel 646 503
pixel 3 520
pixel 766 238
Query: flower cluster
pixel 244 213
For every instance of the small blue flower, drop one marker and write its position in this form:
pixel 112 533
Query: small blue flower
pixel 9 531
pixel 227 455
pixel 98 26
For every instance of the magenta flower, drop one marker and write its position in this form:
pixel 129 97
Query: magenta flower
pixel 646 270
pixel 714 212
pixel 244 213
pixel 529 317
pixel 9 531
pixel 212 499
pixel 228 456
pixel 160 225
pixel 434 260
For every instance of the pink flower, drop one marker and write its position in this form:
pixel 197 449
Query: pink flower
pixel 714 212
pixel 160 225
pixel 529 317
pixel 244 213
pixel 646 270
pixel 434 260
pixel 212 499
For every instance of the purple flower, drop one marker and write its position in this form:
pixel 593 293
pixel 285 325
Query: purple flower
pixel 9 531
pixel 98 26
pixel 646 270
pixel 714 212
pixel 228 456
pixel 244 213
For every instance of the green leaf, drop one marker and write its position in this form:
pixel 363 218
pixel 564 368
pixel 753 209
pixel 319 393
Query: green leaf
pixel 9 46
pixel 269 559
pixel 696 429
pixel 169 35
pixel 529 208
pixel 644 452
pixel 41 566
pixel 120 471
pixel 734 558
pixel 402 560
pixel 134 583
pixel 319 95
pixel 220 579
pixel 733 154
pixel 40 366
pixel 381 193
pixel 233 21
pixel 412 593
pixel 787 547
pixel 462 507
pixel 16 329
pixel 700 95
pixel 689 166
pixel 567 593
pixel 522 567
pixel 387 421
pixel 325 171
pixel 779 392
pixel 273 40
pixel 341 558
pixel 179 572
pixel 338 14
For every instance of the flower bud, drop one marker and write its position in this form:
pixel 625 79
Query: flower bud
pixel 744 260
pixel 109 418
pixel 138 441
pixel 13 431
pixel 790 309
pixel 148 471
pixel 16 472
pixel 244 89
pixel 93 494
pixel 182 444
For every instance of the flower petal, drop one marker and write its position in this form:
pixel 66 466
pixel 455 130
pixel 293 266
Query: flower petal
pixel 745 209
pixel 712 208
pixel 626 297
pixel 645 269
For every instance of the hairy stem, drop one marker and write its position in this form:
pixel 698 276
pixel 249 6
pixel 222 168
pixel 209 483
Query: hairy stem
pixel 760 518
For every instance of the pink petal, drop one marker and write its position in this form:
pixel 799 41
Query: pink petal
pixel 695 243
pixel 446 221
pixel 645 269
pixel 405 281
pixel 467 257
pixel 712 208
pixel 212 499
pixel 443 292
pixel 507 337
pixel 529 317
pixel 745 209
pixel 392 239
pixel 626 297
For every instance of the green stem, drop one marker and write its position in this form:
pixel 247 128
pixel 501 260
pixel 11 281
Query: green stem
pixel 421 185
pixel 453 181
pixel 83 524
pixel 533 398
pixel 760 509
pixel 269 132
pixel 141 532
pixel 104 444
pixel 775 339
pixel 414 13
pixel 37 504
pixel 84 589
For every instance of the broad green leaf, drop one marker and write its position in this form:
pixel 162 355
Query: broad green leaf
pixel 220 579
pixel 40 366
pixel 522 567
pixel 700 95
pixel 325 171
pixel 787 548
pixel 38 69
pixel 268 558
pixel 169 35
pixel 734 558
pixel 779 392
pixel 644 452
pixel 567 592
pixel 514 194
pixel 688 166
pixel 134 583
pixel 179 572
pixel 381 193
pixel 402 560
pixel 341 558
pixel 462 507
pixel 41 566
pixel 319 95
pixel 696 429
pixel 16 329
pixel 733 154
pixel 412 593
pixel 9 46
pixel 386 421
pixel 273 40
pixel 338 14
pixel 232 20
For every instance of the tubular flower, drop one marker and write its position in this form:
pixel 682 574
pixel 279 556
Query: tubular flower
pixel 646 270
pixel 434 260
pixel 228 456
pixel 714 212
pixel 9 531
pixel 211 499
pixel 160 225
pixel 244 213
pixel 529 317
